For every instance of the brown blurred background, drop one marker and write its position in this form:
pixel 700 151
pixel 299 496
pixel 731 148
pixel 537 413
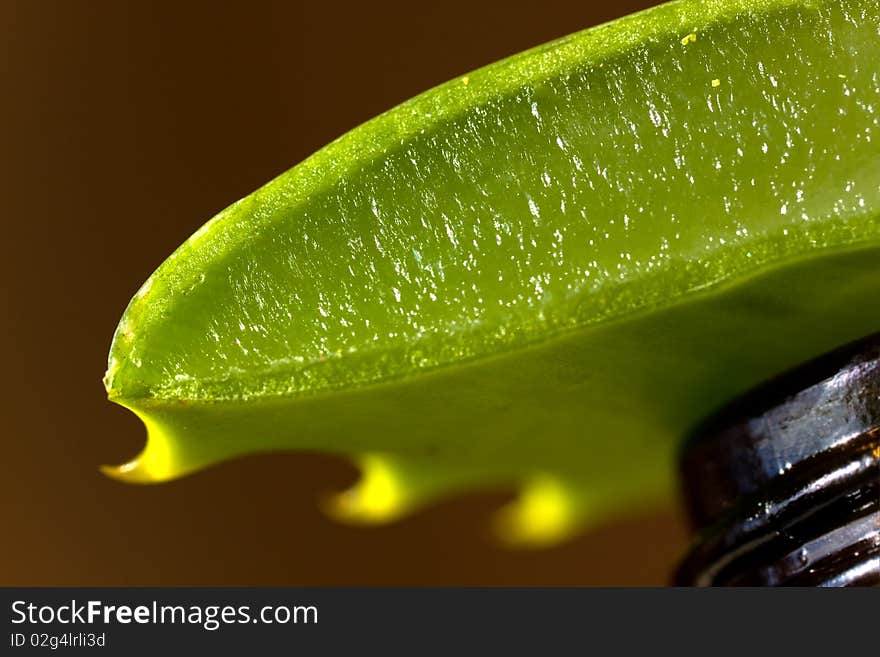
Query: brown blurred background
pixel 123 127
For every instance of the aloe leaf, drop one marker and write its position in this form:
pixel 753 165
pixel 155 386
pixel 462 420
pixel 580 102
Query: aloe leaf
pixel 542 273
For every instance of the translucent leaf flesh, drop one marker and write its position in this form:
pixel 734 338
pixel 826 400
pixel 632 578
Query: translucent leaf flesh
pixel 545 271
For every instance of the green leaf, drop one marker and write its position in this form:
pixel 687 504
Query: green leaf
pixel 542 273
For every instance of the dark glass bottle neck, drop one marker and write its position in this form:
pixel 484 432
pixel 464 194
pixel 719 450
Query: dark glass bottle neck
pixel 783 484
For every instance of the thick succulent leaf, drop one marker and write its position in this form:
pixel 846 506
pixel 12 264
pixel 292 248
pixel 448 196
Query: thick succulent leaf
pixel 543 272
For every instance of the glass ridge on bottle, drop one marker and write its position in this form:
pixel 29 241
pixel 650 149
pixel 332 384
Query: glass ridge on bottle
pixel 783 484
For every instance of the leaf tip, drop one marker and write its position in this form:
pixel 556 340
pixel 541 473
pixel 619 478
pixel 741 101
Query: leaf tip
pixel 546 513
pixel 378 497
pixel 155 463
